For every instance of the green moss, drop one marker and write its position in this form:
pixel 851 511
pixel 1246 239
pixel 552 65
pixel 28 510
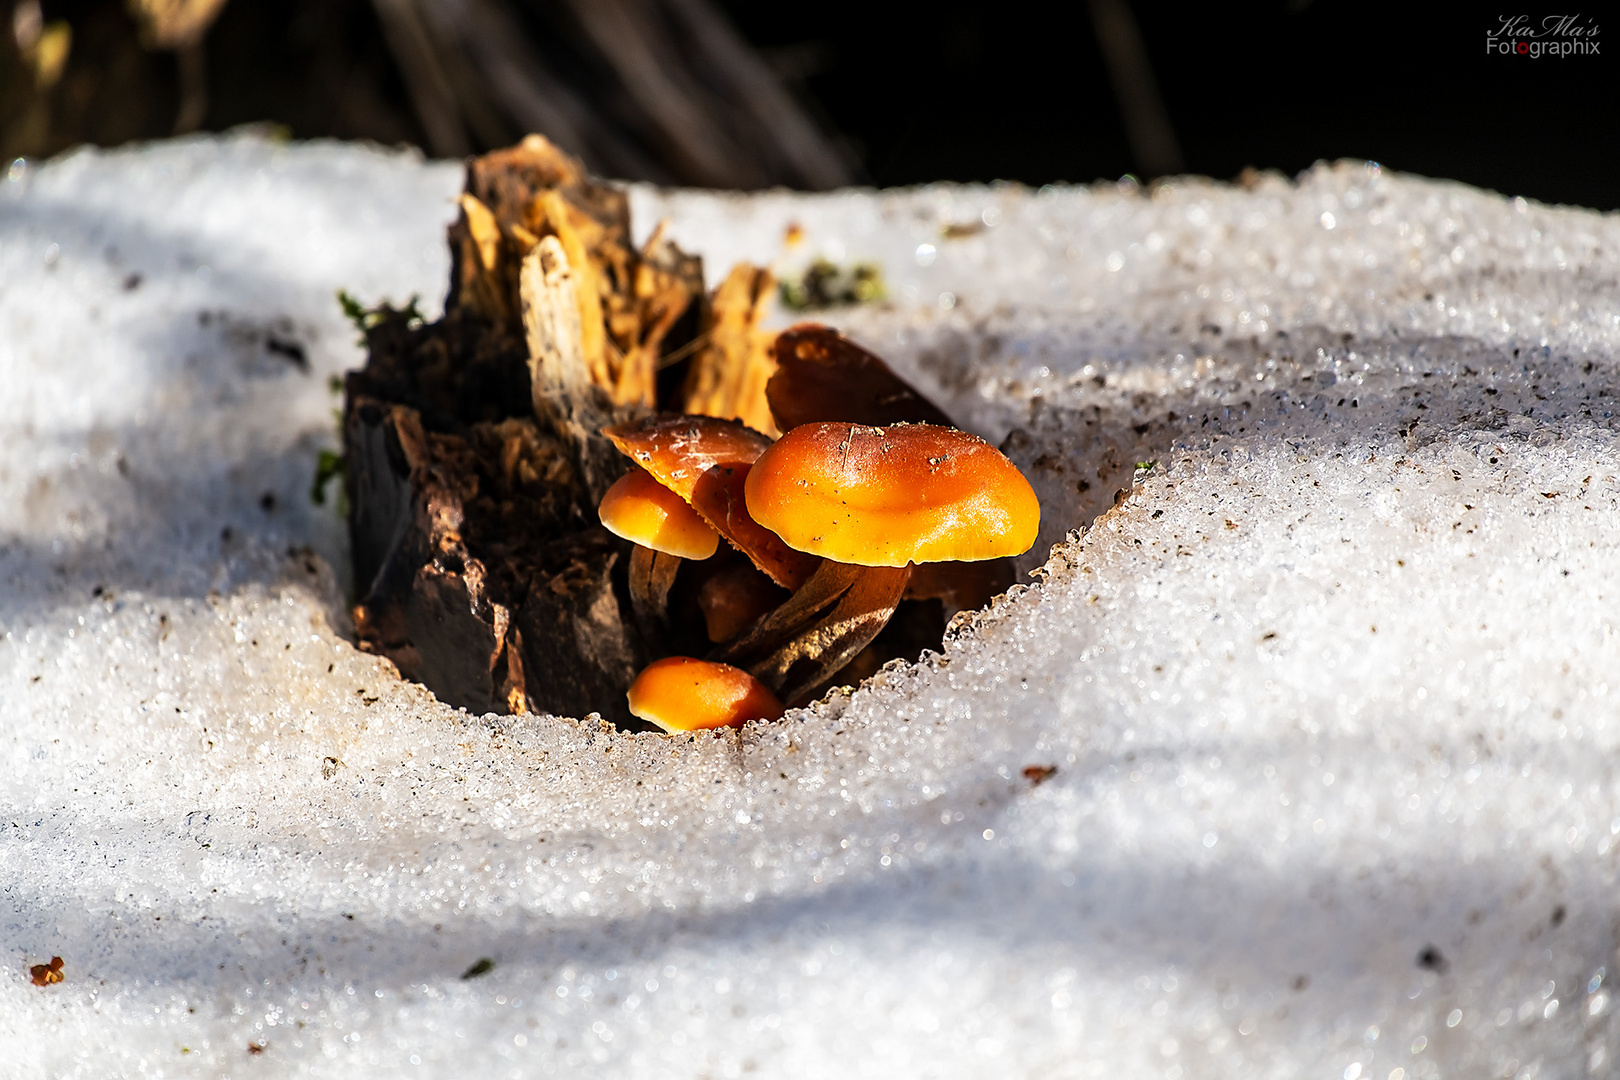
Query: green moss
pixel 824 284
pixel 364 318
pixel 329 465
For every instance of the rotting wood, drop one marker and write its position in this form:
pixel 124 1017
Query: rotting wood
pixel 479 566
pixel 564 392
pixel 479 447
pixel 729 374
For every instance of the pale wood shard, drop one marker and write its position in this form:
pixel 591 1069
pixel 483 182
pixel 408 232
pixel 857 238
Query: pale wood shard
pixel 730 373
pixel 558 368
pixel 484 229
pixel 566 397
pixel 586 292
pixel 482 292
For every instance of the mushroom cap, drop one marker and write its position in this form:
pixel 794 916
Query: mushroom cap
pixel 681 694
pixel 821 375
pixel 890 496
pixel 678 450
pixel 705 461
pixel 643 511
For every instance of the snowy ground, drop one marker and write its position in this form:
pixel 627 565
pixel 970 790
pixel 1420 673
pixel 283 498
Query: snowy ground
pixel 1329 695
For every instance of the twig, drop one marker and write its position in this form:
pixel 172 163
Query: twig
pixel 625 32
pixel 192 69
pixel 809 159
pixel 1147 125
pixel 425 80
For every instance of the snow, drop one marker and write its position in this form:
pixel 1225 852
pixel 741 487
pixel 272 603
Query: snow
pixel 1328 693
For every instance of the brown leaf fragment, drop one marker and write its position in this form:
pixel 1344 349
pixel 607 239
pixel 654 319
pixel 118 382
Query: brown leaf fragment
pixel 1039 774
pixel 47 974
pixel 728 376
pixel 823 376
pixel 796 648
pixel 255 1048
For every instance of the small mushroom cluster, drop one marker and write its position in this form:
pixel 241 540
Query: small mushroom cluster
pixel 871 496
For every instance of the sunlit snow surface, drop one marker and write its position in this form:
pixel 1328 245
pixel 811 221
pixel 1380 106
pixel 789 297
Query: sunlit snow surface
pixel 1331 694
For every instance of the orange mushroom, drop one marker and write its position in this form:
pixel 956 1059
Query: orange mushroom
pixel 665 530
pixel 647 513
pixel 892 496
pixel 706 461
pixel 681 694
pixel 871 501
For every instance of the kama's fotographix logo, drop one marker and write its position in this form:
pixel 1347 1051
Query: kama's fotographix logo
pixel 1551 35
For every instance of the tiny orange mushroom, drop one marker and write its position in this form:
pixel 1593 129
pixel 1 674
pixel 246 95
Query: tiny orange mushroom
pixel 643 511
pixel 680 694
pixel 889 496
pixel 705 461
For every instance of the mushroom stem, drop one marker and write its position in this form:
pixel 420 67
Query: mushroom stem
pixel 961 586
pixel 803 643
pixel 652 573
pixel 735 598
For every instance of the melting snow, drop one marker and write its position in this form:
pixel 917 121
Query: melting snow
pixel 1331 694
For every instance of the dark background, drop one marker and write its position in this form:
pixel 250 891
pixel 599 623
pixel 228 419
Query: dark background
pixel 915 91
